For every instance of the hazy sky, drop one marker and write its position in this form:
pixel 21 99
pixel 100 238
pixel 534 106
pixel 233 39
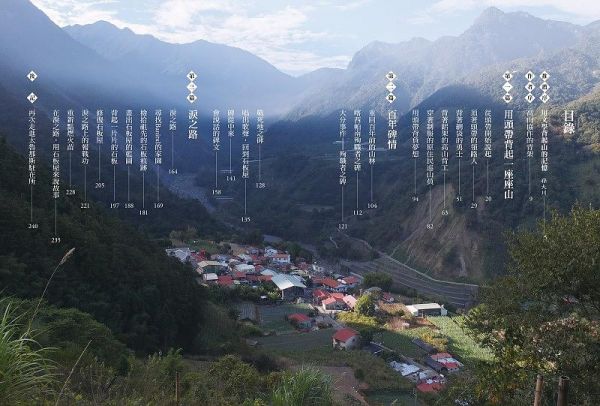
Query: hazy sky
pixel 298 36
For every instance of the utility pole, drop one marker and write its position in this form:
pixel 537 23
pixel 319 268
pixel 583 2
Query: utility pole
pixel 539 385
pixel 563 388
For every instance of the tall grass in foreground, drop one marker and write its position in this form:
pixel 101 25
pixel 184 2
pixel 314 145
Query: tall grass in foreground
pixel 25 372
pixel 307 387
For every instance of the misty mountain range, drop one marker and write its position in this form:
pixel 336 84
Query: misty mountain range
pixel 102 66
pixel 110 65
pixel 496 42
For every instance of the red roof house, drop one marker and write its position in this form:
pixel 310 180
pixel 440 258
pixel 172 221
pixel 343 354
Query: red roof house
pixel 430 387
pixel 346 339
pixel 298 317
pixel 258 278
pixel 197 256
pixel 350 301
pixel 330 283
pixel 441 355
pixel 350 280
pixel 300 320
pixel 332 303
pixel 319 295
pixel 452 366
pixel 225 280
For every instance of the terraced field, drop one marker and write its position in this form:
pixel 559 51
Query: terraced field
pixel 401 341
pixel 273 317
pixel 298 341
pixel 461 345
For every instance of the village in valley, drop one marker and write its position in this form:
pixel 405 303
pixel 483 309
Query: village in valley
pixel 373 339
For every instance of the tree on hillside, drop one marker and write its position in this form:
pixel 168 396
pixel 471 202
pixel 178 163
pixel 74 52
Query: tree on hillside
pixel 365 305
pixel 235 377
pixel 379 279
pixel 544 316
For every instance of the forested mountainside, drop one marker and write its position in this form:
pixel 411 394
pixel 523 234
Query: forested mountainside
pixel 115 273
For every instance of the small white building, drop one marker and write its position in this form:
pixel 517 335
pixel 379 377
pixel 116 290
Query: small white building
pixel 281 258
pixel 346 339
pixel 403 368
pixel 210 267
pixel 244 268
pixel 210 277
pixel 270 252
pixel 427 309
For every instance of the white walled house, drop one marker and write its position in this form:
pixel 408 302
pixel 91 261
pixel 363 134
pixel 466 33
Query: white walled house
pixel 282 259
pixel 333 303
pixel 427 309
pixel 270 252
pixel 346 339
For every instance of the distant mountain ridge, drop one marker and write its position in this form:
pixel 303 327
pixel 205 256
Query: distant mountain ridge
pixel 495 40
pixel 228 77
pixel 117 64
pixel 101 65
